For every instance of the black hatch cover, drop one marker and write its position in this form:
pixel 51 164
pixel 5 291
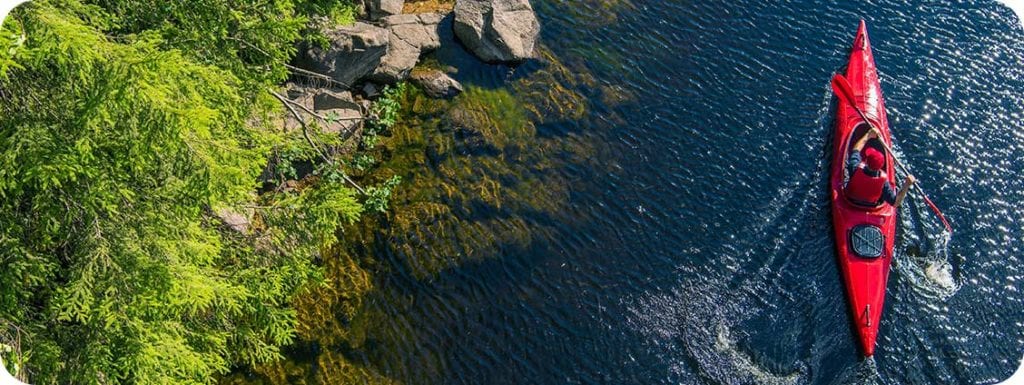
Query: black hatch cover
pixel 867 241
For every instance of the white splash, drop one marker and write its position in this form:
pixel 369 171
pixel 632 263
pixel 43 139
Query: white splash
pixel 941 273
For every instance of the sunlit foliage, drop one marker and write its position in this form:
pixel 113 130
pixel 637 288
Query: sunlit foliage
pixel 124 127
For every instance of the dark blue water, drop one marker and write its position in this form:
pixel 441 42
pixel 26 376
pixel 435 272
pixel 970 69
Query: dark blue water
pixel 693 246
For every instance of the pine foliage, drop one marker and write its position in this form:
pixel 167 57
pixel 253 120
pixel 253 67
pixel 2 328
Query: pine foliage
pixel 124 126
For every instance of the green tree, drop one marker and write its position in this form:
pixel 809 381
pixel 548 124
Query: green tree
pixel 124 126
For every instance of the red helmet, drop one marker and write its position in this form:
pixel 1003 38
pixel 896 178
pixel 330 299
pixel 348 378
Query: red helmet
pixel 873 158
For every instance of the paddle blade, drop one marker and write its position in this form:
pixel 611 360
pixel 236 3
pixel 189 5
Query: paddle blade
pixel 842 88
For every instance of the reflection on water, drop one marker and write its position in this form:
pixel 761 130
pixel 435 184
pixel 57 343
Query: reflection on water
pixel 647 204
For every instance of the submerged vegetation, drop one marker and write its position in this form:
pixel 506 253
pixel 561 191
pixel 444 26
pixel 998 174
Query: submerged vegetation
pixel 476 177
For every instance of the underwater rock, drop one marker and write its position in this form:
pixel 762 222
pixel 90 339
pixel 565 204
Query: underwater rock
pixel 436 84
pixel 467 128
pixel 355 51
pixel 410 36
pixel 497 30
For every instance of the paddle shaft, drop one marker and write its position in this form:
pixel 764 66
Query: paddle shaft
pixel 842 88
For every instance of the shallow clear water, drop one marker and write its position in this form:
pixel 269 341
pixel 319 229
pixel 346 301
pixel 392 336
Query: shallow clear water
pixel 694 246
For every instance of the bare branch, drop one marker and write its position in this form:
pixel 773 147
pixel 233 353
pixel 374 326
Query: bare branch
pixel 316 75
pixel 305 134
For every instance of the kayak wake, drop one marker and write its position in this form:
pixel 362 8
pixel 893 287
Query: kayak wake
pixel 746 364
pixel 864 373
pixel 699 334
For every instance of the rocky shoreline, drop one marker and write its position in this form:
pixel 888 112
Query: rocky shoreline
pixel 474 178
pixel 384 47
pixel 334 85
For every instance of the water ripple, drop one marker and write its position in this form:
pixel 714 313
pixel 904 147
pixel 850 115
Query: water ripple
pixel 695 246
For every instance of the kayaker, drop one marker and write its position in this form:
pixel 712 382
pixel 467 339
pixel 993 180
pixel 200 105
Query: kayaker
pixel 868 185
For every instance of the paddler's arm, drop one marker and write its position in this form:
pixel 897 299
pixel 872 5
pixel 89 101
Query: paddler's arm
pixel 903 190
pixel 853 159
pixel 864 140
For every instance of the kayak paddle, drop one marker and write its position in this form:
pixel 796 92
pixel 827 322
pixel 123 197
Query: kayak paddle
pixel 845 93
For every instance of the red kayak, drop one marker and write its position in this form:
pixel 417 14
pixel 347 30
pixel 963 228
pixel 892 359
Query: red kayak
pixel 864 235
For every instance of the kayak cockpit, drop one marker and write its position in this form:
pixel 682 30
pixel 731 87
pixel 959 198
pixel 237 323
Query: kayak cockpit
pixel 856 133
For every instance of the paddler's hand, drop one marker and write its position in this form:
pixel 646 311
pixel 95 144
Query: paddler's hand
pixel 873 134
pixel 911 179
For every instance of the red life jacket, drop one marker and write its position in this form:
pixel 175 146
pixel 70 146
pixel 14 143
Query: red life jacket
pixel 865 189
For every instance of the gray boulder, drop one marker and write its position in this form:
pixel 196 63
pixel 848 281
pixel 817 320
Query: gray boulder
pixel 332 111
pixel 371 90
pixel 324 100
pixel 355 51
pixel 436 84
pixel 410 36
pixel 376 9
pixel 497 30
pixel 234 220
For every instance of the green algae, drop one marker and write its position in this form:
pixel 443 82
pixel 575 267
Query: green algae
pixel 333 368
pixel 593 13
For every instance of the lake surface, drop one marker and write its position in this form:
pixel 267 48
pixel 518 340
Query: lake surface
pixel 690 243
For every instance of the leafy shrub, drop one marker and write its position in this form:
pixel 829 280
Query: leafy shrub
pixel 383 114
pixel 377 196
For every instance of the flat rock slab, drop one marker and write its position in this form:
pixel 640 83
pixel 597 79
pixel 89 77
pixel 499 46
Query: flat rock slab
pixel 355 51
pixel 376 9
pixel 410 36
pixel 497 30
pixel 344 113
